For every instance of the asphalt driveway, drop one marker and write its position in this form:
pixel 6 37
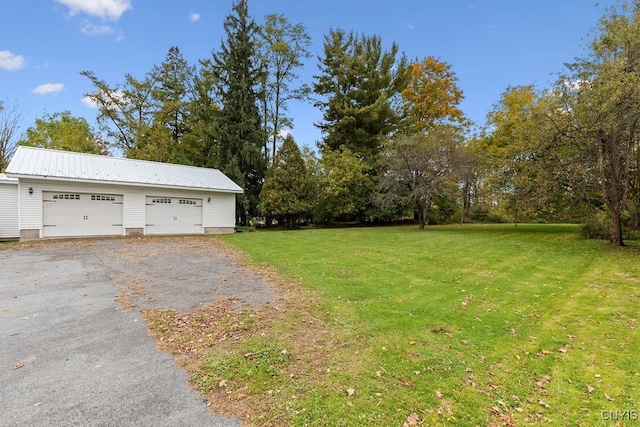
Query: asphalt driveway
pixel 71 353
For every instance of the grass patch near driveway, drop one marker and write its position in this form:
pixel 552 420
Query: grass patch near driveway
pixel 455 325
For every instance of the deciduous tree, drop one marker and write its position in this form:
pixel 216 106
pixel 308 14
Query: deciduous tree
pixel 431 96
pixel 62 131
pixel 418 166
pixel 604 102
pixel 345 186
pixel 10 120
pixel 283 47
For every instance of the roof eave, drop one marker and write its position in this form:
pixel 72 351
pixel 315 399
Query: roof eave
pixel 123 183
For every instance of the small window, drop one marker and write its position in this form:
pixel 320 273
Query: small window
pixel 66 197
pixel 100 197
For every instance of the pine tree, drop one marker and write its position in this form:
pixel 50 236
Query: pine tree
pixel 360 82
pixel 360 85
pixel 286 191
pixel 241 137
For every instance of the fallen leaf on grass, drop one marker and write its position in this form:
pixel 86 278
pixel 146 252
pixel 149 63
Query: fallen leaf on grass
pixel 543 403
pixel 608 397
pixel 438 394
pixel 562 350
pixel 412 420
pixel 222 383
pixel 350 392
pixel 590 389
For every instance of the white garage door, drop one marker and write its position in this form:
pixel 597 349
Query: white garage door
pixel 173 215
pixel 79 214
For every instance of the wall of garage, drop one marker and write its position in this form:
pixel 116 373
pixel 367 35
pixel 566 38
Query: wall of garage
pixel 218 215
pixel 9 210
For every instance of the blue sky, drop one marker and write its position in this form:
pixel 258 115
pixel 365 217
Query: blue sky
pixel 490 44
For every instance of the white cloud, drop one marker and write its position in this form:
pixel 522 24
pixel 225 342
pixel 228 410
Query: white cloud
pixel 48 88
pixel 10 61
pixel 105 9
pixel 411 27
pixel 118 97
pixel 194 16
pixel 96 30
pixel 284 133
pixel 88 102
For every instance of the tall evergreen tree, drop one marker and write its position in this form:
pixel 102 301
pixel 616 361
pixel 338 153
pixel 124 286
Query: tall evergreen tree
pixel 148 118
pixel 174 92
pixel 241 134
pixel 360 84
pixel 202 142
pixel 286 194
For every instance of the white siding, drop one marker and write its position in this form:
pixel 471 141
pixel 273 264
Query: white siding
pixel 9 210
pixel 133 208
pixel 30 205
pixel 221 211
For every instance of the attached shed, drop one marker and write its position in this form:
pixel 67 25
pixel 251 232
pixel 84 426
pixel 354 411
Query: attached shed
pixel 8 208
pixel 65 194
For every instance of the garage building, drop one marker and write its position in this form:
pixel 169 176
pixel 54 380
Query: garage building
pixel 65 194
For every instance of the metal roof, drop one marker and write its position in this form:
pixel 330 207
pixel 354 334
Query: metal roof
pixel 30 162
pixel 4 179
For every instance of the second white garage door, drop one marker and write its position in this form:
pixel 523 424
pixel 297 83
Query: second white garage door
pixel 173 215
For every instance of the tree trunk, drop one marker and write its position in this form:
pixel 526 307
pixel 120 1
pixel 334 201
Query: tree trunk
pixel 614 183
pixel 421 215
pixel 615 233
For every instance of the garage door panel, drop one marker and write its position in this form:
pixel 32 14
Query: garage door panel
pixel 173 215
pixel 79 214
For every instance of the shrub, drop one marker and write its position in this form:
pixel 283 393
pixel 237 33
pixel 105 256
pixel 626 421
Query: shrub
pixel 594 229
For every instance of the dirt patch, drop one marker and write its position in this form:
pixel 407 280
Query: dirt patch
pixel 182 274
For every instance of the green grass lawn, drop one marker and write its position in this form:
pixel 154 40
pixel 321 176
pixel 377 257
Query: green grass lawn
pixel 454 325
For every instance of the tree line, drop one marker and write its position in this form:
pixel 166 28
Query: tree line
pixel 395 144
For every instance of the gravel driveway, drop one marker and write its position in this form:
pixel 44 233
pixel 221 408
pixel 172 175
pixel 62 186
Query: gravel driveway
pixel 72 353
